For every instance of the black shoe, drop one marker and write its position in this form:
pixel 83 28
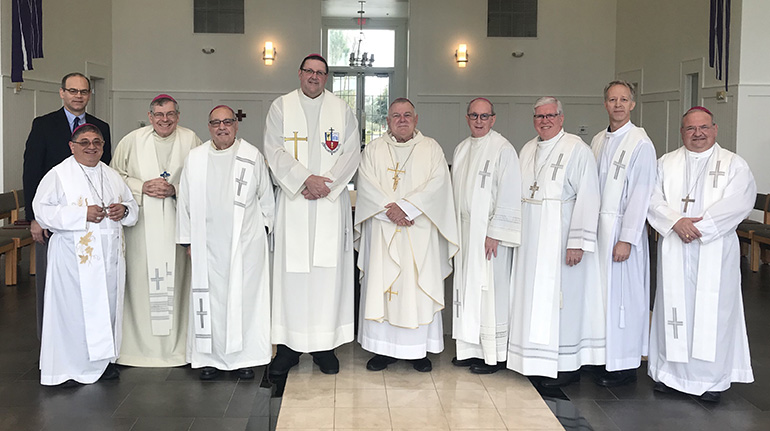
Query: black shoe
pixel 327 361
pixel 466 362
pixel 245 373
pixel 111 373
pixel 711 397
pixel 379 362
pixel 208 373
pixel 663 389
pixel 610 379
pixel 562 379
pixel 284 360
pixel 422 365
pixel 487 369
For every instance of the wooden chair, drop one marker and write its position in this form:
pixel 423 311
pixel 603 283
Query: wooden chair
pixel 747 226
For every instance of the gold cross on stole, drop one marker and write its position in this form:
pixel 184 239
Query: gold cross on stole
pixel 395 175
pixel 295 139
pixel 390 293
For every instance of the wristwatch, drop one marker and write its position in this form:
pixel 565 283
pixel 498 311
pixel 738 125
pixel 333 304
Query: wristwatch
pixel 125 213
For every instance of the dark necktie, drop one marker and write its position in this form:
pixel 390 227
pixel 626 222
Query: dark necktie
pixel 75 123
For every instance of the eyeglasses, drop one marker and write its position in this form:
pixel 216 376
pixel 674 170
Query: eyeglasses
pixel 691 129
pixel 227 122
pixel 85 143
pixel 161 115
pixel 484 117
pixel 546 116
pixel 75 91
pixel 317 73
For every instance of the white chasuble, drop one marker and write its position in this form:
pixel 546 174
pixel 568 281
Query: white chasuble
pixel 558 316
pixel 487 196
pixel 296 136
pixel 86 271
pixel 698 335
pixel 312 277
pixel 626 163
pixel 225 205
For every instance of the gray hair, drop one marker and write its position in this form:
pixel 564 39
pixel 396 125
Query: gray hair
pixel 162 101
pixel 626 84
pixel 491 105
pixel 549 100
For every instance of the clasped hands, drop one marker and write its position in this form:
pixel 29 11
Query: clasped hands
pixel 96 213
pixel 685 228
pixel 397 215
pixel 158 188
pixel 316 188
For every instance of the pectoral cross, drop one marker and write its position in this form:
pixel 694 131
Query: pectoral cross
pixel 201 313
pixel 484 174
pixel 687 201
pixel 396 171
pixel 675 324
pixel 157 279
pixel 534 188
pixel 619 164
pixel 165 175
pixel 390 293
pixel 556 166
pixel 295 139
pixel 717 173
pixel 240 180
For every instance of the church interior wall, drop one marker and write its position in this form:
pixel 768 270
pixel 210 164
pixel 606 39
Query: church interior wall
pixel 73 37
pixel 166 56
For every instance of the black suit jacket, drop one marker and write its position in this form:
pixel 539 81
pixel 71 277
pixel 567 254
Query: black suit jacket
pixel 48 145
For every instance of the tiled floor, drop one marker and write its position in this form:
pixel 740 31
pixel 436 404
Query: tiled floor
pixel 397 398
pixel 400 398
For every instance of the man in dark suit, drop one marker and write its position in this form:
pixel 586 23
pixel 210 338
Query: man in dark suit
pixel 47 146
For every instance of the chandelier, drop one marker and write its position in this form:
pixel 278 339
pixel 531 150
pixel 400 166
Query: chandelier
pixel 357 58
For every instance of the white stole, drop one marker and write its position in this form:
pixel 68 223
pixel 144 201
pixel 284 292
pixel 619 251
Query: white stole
pixel 100 339
pixel 547 280
pixel 709 265
pixel 296 214
pixel 611 197
pixel 243 171
pixel 477 325
pixel 159 219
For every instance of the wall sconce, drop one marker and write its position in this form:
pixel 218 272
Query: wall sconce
pixel 461 55
pixel 268 53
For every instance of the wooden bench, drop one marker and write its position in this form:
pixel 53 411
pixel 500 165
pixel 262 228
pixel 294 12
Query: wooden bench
pixel 16 232
pixel 747 226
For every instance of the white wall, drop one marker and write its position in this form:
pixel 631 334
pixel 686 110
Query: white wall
pixel 572 58
pixel 752 138
pixel 158 52
pixel 659 41
pixel 75 39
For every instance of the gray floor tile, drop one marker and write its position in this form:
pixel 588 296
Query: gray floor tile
pixel 92 424
pixel 644 415
pixel 178 399
pixel 162 424
pixel 595 416
pixel 219 424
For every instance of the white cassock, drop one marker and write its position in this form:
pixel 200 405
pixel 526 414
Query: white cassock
pixel 225 204
pixel 313 240
pixel 558 317
pixel 626 161
pixel 86 271
pixel 487 193
pixel 403 268
pixel 157 277
pixel 698 338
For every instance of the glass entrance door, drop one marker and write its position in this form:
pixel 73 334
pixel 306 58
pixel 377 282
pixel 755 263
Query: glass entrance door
pixel 368 94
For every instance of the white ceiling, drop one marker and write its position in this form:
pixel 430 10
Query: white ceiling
pixel 373 8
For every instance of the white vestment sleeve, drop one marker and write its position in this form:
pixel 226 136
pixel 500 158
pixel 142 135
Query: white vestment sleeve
pixel 265 192
pixel 412 212
pixel 724 215
pixel 661 217
pixel 289 174
pixel 120 164
pixel 183 208
pixel 584 180
pixel 640 183
pixel 50 213
pixel 505 220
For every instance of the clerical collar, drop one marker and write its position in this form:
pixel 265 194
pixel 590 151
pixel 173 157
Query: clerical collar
pixel 217 150
pixel 312 99
pixel 701 155
pixel 552 140
pixel 167 138
pixel 395 142
pixel 623 129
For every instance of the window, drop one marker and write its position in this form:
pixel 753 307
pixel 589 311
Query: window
pixel 218 16
pixel 380 43
pixel 512 18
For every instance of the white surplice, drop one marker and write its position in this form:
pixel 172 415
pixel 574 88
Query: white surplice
pixel 698 339
pixel 403 268
pixel 557 322
pixel 157 277
pixel 225 204
pixel 86 271
pixel 487 192
pixel 626 161
pixel 312 300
